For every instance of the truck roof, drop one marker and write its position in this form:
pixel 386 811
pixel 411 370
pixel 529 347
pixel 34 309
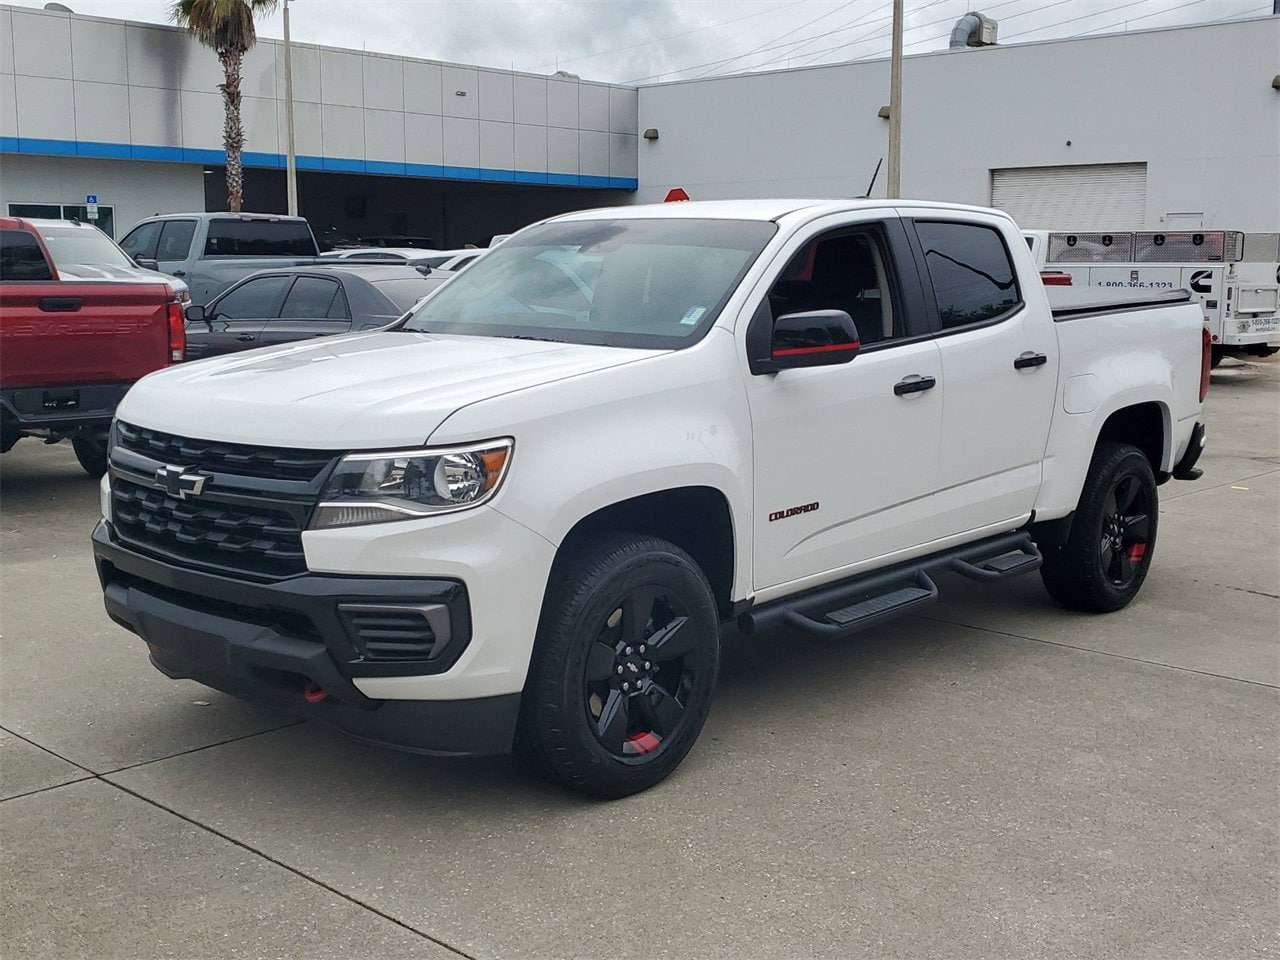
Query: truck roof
pixel 17 223
pixel 764 209
pixel 222 215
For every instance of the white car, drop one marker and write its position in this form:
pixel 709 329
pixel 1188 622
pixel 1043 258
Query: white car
pixel 409 255
pixel 520 515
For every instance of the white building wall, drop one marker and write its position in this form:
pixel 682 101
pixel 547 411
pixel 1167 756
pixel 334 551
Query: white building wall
pixel 1195 104
pixel 133 190
pixel 84 86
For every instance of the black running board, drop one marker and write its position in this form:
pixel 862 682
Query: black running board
pixel 844 608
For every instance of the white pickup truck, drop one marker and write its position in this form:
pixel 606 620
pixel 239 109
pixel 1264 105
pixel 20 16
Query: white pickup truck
pixel 520 516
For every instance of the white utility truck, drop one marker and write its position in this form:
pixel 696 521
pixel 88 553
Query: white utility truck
pixel 520 515
pixel 1234 276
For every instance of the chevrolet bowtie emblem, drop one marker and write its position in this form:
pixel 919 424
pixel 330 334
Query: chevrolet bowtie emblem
pixel 176 482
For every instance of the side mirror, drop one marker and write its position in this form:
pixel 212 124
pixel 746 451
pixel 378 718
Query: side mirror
pixel 815 338
pixel 147 263
pixel 195 313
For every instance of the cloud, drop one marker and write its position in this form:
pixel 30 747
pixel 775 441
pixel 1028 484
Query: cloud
pixel 625 40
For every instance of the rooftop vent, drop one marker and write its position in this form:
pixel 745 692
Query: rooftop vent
pixel 973 30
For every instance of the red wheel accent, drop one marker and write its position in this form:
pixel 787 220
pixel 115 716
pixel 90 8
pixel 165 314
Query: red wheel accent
pixel 1137 551
pixel 642 743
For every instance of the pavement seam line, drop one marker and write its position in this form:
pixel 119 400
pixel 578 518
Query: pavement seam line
pixel 1102 653
pixel 206 746
pixel 143 763
pixel 56 786
pixel 52 753
pixel 284 866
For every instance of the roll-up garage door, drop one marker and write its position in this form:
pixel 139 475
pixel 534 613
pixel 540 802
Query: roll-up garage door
pixel 1104 196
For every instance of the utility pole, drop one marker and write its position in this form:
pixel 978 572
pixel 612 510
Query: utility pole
pixel 291 160
pixel 894 187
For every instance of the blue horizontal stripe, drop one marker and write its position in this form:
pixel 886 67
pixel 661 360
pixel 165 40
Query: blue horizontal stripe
pixel 431 170
pixel 276 161
pixel 192 155
pixel 112 151
pixel 385 167
pixel 251 159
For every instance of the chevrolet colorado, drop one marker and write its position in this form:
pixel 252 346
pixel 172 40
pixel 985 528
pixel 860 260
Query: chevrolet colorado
pixel 519 517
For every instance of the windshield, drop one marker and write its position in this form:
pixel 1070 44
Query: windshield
pixel 72 247
pixel 625 283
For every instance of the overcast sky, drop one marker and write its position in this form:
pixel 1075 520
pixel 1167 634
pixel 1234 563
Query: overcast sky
pixel 647 40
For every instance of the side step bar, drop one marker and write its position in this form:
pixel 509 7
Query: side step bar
pixel 863 601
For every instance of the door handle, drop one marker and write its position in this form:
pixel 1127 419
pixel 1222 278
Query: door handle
pixel 246 337
pixel 1030 359
pixel 179 273
pixel 916 385
pixel 60 304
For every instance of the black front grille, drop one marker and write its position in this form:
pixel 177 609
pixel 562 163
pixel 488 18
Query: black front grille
pixel 250 537
pixel 215 456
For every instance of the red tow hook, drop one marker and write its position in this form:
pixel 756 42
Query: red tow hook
pixel 313 693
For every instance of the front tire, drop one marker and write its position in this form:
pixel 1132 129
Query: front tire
pixel 1113 534
pixel 91 451
pixel 624 667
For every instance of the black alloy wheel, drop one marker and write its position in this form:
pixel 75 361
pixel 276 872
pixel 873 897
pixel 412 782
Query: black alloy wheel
pixel 639 675
pixel 1108 551
pixel 1126 525
pixel 624 666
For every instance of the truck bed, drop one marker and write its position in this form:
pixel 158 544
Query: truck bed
pixel 1068 303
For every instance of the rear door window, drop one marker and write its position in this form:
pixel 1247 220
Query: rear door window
pixel 311 298
pixel 21 257
pixel 259 238
pixel 252 300
pixel 971 272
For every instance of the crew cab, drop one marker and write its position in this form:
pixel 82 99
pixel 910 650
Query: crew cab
pixel 520 515
pixel 211 251
pixel 79 322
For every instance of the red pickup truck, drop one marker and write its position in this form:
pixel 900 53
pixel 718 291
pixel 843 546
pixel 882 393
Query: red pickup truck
pixel 79 323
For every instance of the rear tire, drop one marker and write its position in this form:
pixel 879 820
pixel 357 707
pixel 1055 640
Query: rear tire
pixel 91 451
pixel 624 667
pixel 1215 356
pixel 1106 557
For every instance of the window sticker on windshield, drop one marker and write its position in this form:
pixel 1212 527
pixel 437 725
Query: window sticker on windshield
pixel 693 316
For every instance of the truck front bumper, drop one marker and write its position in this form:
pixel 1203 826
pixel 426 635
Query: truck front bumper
pixel 294 645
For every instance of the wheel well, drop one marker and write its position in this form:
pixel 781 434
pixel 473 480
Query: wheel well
pixel 1141 425
pixel 696 519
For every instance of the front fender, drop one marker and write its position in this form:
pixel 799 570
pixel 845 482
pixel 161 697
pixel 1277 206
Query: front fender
pixel 672 420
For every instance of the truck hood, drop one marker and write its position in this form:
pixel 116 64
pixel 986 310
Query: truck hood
pixel 97 272
pixel 364 391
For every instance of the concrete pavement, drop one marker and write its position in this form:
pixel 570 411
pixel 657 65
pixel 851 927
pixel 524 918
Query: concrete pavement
pixel 999 778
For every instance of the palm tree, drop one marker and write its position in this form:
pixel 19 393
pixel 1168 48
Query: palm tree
pixel 227 27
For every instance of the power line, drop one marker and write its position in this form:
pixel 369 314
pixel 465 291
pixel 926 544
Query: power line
pixel 1148 16
pixel 766 44
pixel 673 36
pixel 1099 13
pixel 812 55
pixel 771 45
pixel 875 34
pixel 863 21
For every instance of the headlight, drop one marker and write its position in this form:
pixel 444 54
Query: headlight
pixel 378 487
